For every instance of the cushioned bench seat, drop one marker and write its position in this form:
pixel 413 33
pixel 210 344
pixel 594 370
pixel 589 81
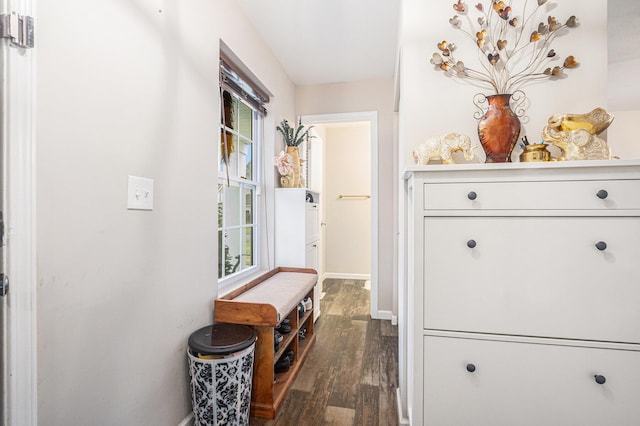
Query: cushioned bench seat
pixel 283 291
pixel 266 300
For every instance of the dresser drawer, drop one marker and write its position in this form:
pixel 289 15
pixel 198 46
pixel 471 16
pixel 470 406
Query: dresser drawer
pixel 533 276
pixel 551 195
pixel 527 384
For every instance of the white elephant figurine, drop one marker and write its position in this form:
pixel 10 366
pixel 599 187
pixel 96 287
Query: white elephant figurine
pixel 442 147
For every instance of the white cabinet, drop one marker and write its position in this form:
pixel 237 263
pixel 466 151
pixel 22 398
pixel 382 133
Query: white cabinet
pixel 524 294
pixel 297 230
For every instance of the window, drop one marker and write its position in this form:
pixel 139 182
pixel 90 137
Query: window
pixel 242 100
pixel 237 185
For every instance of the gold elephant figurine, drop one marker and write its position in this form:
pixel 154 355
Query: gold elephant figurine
pixel 576 135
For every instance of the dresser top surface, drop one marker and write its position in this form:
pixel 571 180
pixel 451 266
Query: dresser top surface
pixel 506 170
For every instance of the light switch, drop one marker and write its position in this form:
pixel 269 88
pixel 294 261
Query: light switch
pixel 140 193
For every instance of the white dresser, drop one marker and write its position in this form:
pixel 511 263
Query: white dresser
pixel 297 231
pixel 524 294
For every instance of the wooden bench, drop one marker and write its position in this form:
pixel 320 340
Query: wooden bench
pixel 263 304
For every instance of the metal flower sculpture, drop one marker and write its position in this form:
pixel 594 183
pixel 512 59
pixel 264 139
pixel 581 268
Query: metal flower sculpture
pixel 512 50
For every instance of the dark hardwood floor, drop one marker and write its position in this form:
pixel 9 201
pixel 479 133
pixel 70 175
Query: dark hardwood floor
pixel 351 374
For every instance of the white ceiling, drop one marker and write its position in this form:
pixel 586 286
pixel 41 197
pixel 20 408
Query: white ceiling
pixel 329 41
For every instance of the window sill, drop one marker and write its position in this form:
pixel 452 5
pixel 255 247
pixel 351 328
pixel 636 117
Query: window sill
pixel 231 284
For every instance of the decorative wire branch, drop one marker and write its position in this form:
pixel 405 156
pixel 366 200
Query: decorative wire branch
pixel 503 44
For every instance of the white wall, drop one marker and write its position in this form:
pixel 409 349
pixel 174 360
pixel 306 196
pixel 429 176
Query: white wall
pixel 347 243
pixel 623 87
pixel 622 135
pixel 131 87
pixel 360 96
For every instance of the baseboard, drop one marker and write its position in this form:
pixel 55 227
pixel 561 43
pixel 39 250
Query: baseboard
pixel 187 421
pixel 341 276
pixel 394 320
pixel 383 315
pixel 402 420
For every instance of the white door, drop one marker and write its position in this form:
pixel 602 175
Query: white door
pixel 17 305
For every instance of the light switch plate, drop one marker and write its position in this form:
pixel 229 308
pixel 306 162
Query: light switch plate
pixel 140 193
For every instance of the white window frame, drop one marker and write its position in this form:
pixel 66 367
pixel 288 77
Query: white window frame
pixel 224 182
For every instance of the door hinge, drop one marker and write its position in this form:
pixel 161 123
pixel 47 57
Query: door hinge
pixel 4 285
pixel 17 28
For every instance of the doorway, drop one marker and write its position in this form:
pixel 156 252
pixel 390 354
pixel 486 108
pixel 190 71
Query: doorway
pixel 348 196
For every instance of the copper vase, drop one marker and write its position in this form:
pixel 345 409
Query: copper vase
pixel 498 129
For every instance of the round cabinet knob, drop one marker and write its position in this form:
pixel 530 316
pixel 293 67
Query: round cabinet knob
pixel 471 368
pixel 471 243
pixel 601 245
pixel 600 379
pixel 472 195
pixel 602 194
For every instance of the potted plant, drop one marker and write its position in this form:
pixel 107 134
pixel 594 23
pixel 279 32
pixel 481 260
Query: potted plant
pixel 292 139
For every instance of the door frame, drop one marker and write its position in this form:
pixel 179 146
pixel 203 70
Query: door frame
pixel 18 133
pixel 372 118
